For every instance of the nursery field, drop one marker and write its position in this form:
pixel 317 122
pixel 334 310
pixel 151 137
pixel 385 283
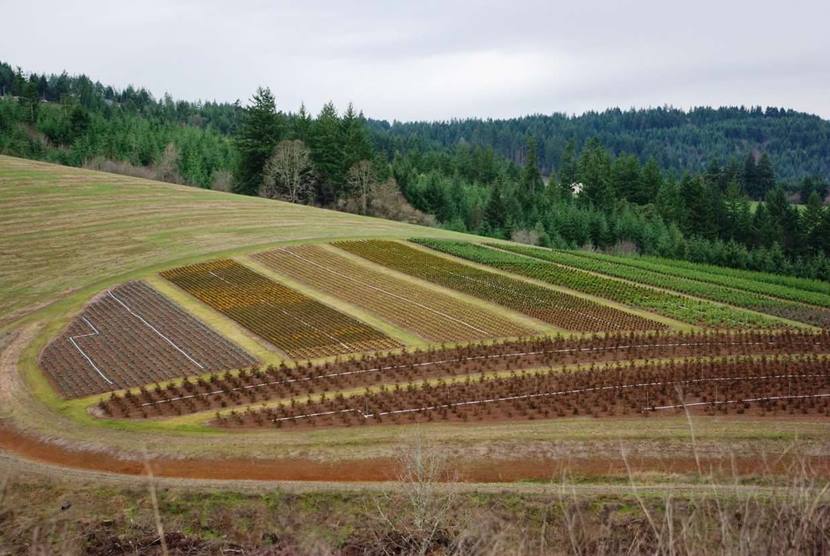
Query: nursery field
pixel 687 309
pixel 560 309
pixel 433 315
pixel 809 307
pixel 131 336
pixel 777 386
pixel 298 325
pixel 409 369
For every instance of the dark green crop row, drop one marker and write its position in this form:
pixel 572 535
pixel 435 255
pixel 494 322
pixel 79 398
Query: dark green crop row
pixel 605 264
pixel 679 307
pixel 738 279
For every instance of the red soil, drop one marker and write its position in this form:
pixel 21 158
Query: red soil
pixel 377 469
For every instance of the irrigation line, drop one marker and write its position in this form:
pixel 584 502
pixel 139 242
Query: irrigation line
pixel 87 357
pixel 440 362
pixel 746 400
pixel 362 283
pixel 154 329
pixel 573 391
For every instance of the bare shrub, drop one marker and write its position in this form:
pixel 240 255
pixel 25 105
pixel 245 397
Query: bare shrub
pixel 415 518
pixel 362 181
pixel 387 201
pixel 287 174
pixel 165 170
pixel 528 237
pixel 222 181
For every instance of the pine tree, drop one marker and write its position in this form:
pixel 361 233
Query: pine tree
pixel 765 175
pixel 749 177
pixel 650 183
pixel 327 154
pixel 531 185
pixel 301 125
pixel 495 217
pixel 261 129
pixel 626 178
pixel 595 175
pixel 568 168
pixel 356 145
pixel 813 216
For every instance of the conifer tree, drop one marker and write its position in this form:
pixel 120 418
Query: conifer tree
pixel 595 175
pixel 261 129
pixel 327 153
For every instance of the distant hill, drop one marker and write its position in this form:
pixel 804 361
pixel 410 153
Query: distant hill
pixel 680 141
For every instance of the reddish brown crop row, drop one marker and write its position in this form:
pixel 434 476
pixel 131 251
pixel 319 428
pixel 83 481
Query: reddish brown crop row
pixel 792 386
pixel 132 335
pixel 433 315
pixel 300 326
pixel 272 383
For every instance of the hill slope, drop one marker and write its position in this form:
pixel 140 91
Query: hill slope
pixel 65 229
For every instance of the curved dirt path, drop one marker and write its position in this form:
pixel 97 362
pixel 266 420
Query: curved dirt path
pixel 21 446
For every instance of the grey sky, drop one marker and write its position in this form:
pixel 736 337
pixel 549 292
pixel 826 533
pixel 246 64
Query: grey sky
pixel 439 59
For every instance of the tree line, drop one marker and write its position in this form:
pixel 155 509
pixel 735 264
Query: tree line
pixel 75 121
pixel 610 202
pixel 467 175
pixel 798 144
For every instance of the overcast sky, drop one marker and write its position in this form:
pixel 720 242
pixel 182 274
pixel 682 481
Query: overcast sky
pixel 439 59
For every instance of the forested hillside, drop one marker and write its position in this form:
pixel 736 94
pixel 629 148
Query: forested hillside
pixel 710 185
pixel 679 141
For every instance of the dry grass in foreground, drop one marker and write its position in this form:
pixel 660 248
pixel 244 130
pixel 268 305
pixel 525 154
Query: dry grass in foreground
pixel 422 514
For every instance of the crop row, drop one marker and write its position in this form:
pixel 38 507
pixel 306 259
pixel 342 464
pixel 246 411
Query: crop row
pixel 795 386
pixel 680 307
pixel 300 326
pixel 431 314
pixel 791 282
pixel 809 314
pixel 283 382
pixel 722 276
pixel 560 309
pixel 132 335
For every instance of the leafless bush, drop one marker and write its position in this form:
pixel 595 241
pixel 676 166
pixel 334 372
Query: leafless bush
pixel 415 518
pixel 165 170
pixel 528 237
pixel 287 174
pixel 387 201
pixel 222 181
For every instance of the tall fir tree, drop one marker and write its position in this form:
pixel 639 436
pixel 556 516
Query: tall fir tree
pixel 595 176
pixel 568 170
pixel 764 175
pixel 650 183
pixel 259 132
pixel 327 154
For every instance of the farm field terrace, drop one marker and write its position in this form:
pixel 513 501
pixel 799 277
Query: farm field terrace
pixel 692 310
pixel 558 308
pixel 298 325
pixel 435 316
pixel 204 328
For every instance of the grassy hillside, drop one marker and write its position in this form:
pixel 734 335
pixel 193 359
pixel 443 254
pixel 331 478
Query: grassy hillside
pixel 65 229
